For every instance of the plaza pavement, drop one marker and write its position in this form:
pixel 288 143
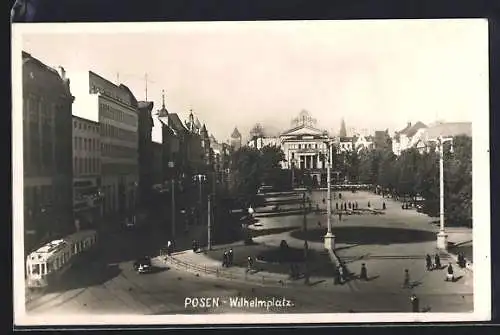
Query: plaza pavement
pixel 398 239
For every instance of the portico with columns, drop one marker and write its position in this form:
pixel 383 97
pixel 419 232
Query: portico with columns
pixel 304 147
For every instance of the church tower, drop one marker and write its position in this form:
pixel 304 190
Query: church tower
pixel 236 139
pixel 343 131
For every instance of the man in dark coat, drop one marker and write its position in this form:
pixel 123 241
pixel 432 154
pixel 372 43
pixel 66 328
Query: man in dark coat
pixel 449 273
pixel 364 273
pixel 230 256
pixel 383 206
pixel 437 261
pixel 428 262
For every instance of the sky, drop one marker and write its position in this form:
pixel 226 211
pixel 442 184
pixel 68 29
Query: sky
pixel 376 75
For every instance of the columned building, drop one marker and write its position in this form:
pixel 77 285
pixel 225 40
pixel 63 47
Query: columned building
pixel 305 148
pixel 116 109
pixel 47 146
pixel 86 173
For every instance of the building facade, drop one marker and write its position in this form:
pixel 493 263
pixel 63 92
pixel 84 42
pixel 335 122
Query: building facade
pixel 403 139
pixel 47 146
pixel 87 201
pixel 116 109
pixel 446 129
pixel 305 148
pixel 145 151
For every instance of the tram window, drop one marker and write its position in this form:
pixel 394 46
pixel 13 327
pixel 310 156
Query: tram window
pixel 44 269
pixel 35 269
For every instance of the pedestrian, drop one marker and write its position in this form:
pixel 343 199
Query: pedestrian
pixel 368 204
pixel 461 260
pixel 364 273
pixel 169 248
pixel 230 257
pixel 340 195
pixel 415 308
pixel 340 216
pixel 345 206
pixel 341 274
pixel 319 224
pixel 437 262
pixel 449 273
pixel 406 281
pixel 250 263
pixel 337 205
pixel 428 262
pixel 383 206
pixel 324 200
pixel 225 259
pixel 349 205
pixel 357 205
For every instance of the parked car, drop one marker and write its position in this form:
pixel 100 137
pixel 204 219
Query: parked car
pixel 143 265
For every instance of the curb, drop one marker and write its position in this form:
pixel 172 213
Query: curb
pixel 215 273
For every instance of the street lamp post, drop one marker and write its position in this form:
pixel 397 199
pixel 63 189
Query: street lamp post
pixel 329 237
pixel 200 178
pixel 442 237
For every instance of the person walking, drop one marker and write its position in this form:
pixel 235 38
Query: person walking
pixel 415 303
pixel 357 205
pixel 250 263
pixel 225 259
pixel 383 206
pixel 230 257
pixel 428 262
pixel 449 273
pixel 406 280
pixel 337 205
pixel 369 204
pixel 340 216
pixel 169 248
pixel 437 262
pixel 364 273
pixel 341 274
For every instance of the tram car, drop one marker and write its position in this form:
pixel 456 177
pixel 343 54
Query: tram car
pixel 46 265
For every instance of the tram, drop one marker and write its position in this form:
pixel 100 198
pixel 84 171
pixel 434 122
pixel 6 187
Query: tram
pixel 49 262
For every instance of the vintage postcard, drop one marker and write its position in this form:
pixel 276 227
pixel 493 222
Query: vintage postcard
pixel 251 172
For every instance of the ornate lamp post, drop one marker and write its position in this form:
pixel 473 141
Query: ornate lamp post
pixel 329 237
pixel 442 237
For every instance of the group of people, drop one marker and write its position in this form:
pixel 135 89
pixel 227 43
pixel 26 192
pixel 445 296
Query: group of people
pixel 437 265
pixel 344 206
pixel 227 258
pixel 342 274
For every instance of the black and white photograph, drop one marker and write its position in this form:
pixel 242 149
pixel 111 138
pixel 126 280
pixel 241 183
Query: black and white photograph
pixel 251 172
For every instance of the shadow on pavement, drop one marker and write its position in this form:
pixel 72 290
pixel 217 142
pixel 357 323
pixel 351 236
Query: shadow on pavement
pixel 270 231
pixel 85 276
pixel 368 235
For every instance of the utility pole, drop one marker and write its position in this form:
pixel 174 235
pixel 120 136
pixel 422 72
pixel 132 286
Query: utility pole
pixel 173 209
pixel 209 223
pixel 329 237
pixel 306 245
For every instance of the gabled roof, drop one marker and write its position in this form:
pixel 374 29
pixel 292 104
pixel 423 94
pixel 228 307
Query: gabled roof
pixel 413 129
pixel 133 99
pixel 176 123
pixel 303 130
pixel 236 133
pixel 448 129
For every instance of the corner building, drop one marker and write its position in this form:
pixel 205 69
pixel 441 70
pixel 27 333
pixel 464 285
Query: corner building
pixel 47 162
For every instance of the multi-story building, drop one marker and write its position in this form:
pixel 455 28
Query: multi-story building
pixel 145 148
pixel 402 139
pixel 116 110
pixel 305 148
pixel 47 159
pixel 345 144
pixel 262 141
pixel 361 142
pixel 86 172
